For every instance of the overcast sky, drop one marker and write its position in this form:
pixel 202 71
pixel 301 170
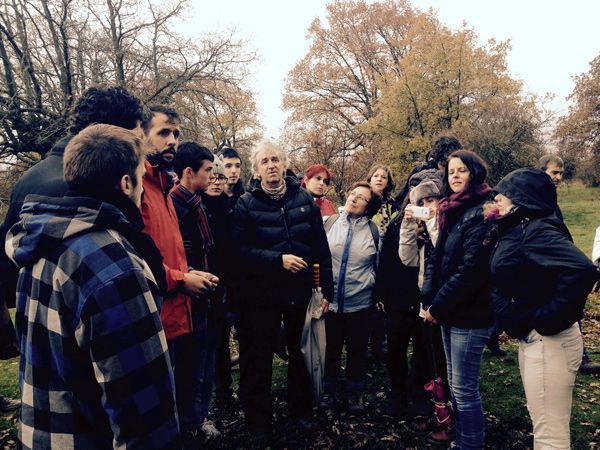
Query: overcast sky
pixel 552 40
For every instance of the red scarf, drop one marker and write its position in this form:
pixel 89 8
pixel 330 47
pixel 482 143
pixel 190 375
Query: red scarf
pixel 194 201
pixel 449 207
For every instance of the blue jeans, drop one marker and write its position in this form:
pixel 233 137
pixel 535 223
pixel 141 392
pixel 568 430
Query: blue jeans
pixel 188 357
pixel 464 351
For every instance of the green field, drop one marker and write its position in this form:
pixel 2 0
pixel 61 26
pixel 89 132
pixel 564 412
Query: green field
pixel 507 421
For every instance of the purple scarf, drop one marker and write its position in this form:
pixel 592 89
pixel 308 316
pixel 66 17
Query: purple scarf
pixel 450 206
pixel 194 201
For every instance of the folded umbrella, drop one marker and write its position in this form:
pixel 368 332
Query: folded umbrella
pixel 312 343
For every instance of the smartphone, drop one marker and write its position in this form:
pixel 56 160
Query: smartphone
pixel 419 212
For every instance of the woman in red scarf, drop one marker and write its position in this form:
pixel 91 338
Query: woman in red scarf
pixel 316 181
pixel 456 289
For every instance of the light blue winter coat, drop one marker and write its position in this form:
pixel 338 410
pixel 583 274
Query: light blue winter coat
pixel 360 271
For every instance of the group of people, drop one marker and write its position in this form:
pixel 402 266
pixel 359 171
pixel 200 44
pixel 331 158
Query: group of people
pixel 130 254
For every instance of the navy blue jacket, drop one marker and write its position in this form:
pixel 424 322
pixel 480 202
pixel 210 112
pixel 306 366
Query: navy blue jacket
pixel 541 280
pixel 263 230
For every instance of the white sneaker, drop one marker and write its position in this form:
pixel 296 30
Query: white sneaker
pixel 209 429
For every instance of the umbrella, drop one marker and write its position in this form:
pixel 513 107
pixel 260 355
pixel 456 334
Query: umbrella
pixel 312 343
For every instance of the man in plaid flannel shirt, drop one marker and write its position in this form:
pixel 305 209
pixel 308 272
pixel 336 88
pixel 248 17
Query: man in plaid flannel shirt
pixel 94 369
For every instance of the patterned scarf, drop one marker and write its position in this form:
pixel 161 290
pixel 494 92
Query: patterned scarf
pixel 385 212
pixel 275 193
pixel 450 207
pixel 194 201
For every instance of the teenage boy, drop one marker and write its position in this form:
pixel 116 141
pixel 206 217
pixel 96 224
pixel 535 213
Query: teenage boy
pixel 193 166
pixel 94 370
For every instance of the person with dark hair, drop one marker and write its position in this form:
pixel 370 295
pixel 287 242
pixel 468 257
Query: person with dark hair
pixel 441 146
pixel 233 189
pixel 354 247
pixel 98 104
pixel 161 125
pixel 554 167
pixel 224 306
pixel 541 282
pixel 316 181
pixel 277 234
pixel 418 237
pixel 381 180
pixel 160 220
pixel 456 292
pixel 232 164
pixel 111 104
pixel 94 371
pixel 193 166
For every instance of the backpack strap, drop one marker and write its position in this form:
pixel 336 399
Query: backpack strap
pixel 375 234
pixel 329 222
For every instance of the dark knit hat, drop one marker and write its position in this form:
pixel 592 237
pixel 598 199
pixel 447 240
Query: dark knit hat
pixel 426 189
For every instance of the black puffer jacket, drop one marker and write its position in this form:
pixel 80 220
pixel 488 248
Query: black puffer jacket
pixel 396 285
pixel 540 279
pixel 456 283
pixel 263 230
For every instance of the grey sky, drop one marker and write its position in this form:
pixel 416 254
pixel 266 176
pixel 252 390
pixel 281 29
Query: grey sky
pixel 551 40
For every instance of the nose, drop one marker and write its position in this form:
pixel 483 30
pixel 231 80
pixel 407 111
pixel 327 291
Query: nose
pixel 172 141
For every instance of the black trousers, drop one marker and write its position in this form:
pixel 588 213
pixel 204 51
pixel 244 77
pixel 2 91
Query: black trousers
pixel 353 330
pixel 259 327
pixel 427 350
pixel 223 390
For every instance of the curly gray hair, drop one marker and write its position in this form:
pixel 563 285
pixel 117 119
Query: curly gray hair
pixel 267 144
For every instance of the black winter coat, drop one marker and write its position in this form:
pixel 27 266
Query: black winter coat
pixel 540 279
pixel 396 285
pixel 263 230
pixel 45 178
pixel 456 283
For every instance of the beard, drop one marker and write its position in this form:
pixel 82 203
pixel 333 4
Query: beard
pixel 163 158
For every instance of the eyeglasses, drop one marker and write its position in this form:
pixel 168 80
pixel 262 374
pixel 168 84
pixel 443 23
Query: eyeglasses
pixel 358 196
pixel 219 179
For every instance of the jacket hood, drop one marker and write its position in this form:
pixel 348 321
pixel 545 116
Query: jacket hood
pixel 531 189
pixel 46 222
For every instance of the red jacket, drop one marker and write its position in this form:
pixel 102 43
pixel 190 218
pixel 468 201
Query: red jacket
pixel 161 224
pixel 327 207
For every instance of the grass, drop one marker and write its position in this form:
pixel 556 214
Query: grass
pixel 580 206
pixel 507 421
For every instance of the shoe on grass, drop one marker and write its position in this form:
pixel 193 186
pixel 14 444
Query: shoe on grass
pixel 8 404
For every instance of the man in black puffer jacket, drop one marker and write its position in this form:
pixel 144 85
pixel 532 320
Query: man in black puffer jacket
pixel 277 233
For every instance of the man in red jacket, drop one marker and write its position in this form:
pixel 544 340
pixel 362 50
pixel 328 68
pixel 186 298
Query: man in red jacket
pixel 161 127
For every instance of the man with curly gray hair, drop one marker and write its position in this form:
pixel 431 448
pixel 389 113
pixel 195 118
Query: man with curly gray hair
pixel 278 235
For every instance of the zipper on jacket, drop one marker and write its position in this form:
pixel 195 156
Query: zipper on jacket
pixel 287 230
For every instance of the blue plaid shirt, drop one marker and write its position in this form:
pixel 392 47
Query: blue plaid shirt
pixel 94 369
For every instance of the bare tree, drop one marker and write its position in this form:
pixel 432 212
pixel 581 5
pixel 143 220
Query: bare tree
pixel 52 50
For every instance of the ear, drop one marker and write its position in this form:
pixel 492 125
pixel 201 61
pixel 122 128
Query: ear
pixel 126 185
